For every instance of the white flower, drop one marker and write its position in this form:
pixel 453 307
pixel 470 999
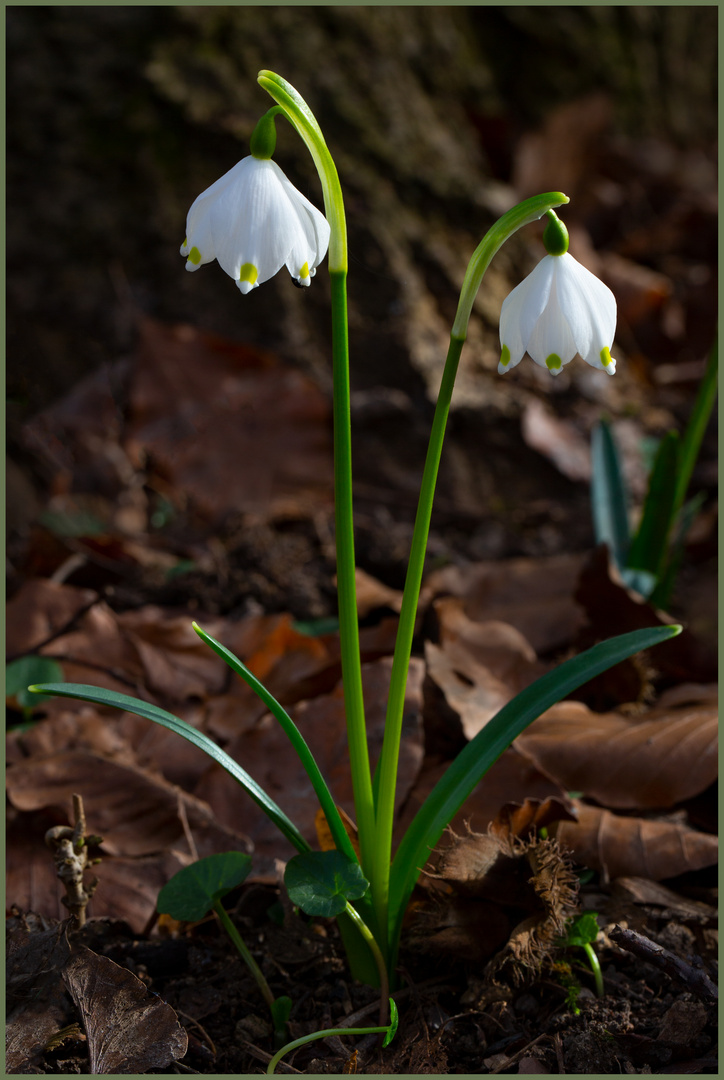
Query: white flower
pixel 253 221
pixel 559 310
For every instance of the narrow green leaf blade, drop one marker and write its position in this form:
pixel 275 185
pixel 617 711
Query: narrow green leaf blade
pixel 649 545
pixel 473 762
pixel 30 669
pixel 321 882
pixel 697 425
pixel 99 696
pixel 295 737
pixel 192 892
pixel 609 501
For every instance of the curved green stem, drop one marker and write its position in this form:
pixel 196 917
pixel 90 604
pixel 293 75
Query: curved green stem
pixel 386 778
pixel 319 1035
pixel 377 953
pixel 523 214
pixel 245 954
pixel 302 119
pixel 595 967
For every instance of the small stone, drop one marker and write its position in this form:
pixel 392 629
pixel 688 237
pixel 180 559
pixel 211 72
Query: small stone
pixel 252 1028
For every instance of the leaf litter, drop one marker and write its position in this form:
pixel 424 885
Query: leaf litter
pixel 139 536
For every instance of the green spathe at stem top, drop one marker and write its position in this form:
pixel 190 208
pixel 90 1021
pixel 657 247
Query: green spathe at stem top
pixel 370 893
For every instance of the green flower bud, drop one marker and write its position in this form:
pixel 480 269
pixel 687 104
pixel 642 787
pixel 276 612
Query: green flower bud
pixel 264 137
pixel 555 235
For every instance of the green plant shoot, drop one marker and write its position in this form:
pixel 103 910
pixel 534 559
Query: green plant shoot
pixel 199 888
pixel 369 894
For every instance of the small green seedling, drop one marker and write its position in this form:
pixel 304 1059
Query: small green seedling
pixel 389 1031
pixel 649 559
pixel 581 933
pixel 195 890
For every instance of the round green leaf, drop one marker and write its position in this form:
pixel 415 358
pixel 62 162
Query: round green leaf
pixel 193 891
pixel 30 669
pixel 583 930
pixel 321 882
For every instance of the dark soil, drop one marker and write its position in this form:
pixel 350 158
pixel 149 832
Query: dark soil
pixel 451 1022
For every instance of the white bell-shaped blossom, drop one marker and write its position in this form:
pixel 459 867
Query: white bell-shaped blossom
pixel 254 221
pixel 559 310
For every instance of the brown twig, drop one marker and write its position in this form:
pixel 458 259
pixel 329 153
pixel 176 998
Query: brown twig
pixel 70 854
pixel 695 979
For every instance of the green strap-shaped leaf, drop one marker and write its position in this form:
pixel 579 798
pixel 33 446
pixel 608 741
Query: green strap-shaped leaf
pixel 697 425
pixel 473 762
pixel 296 738
pixel 649 545
pixel 609 501
pixel 99 696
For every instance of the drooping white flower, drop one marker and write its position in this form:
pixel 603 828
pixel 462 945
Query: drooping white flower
pixel 254 221
pixel 559 310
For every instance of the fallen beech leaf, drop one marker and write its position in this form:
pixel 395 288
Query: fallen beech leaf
pixel 635 847
pixel 533 595
pixel 36 1001
pixel 196 398
pixel 135 813
pixel 641 891
pixel 479 666
pixel 652 762
pixel 128 888
pixel 513 777
pixel 266 754
pixel 40 609
pixel 177 665
pixel 128 1028
pixel 613 609
pixel 556 439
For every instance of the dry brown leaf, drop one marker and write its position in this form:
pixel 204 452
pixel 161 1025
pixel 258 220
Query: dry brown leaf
pixel 533 595
pixel 39 610
pixel 267 755
pixel 635 847
pixel 613 609
pixel 373 594
pixel 513 777
pixel 177 664
pixel 128 1028
pixel 128 888
pixel 37 1004
pixel 135 813
pixel 556 439
pixel 649 762
pixel 479 666
pixel 228 425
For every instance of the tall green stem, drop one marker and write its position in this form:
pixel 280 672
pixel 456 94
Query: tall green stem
pixel 386 778
pixel 301 117
pixel 346 588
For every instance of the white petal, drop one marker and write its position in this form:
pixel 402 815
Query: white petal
pixel 551 343
pixel 589 307
pixel 314 224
